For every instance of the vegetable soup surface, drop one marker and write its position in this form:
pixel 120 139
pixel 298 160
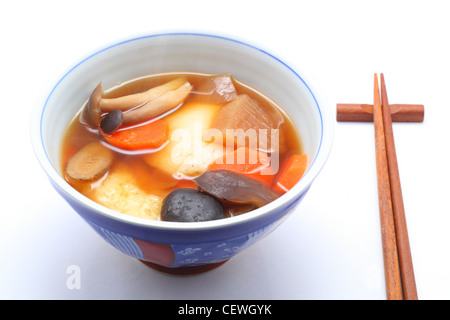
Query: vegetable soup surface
pixel 182 147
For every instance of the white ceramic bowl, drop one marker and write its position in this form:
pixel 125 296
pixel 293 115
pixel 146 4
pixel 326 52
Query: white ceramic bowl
pixel 179 246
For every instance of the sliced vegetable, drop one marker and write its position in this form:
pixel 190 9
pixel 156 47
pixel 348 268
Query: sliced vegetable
pixel 90 162
pixel 112 121
pixel 235 187
pixel 159 105
pixel 291 173
pixel 186 183
pixel 218 89
pixel 151 135
pixel 137 99
pixel 244 113
pixel 188 205
pixel 93 106
pixel 248 162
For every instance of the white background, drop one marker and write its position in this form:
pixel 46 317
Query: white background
pixel 331 247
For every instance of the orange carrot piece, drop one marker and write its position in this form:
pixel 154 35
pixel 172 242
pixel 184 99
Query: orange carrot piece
pixel 186 184
pixel 252 170
pixel 147 136
pixel 291 173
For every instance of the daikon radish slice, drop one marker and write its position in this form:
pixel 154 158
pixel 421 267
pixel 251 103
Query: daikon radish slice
pixel 248 121
pixel 218 89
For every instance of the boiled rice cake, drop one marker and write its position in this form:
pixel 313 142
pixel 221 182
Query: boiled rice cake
pixel 187 153
pixel 119 191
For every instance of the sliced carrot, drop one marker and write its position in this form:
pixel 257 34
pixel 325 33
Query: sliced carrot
pixel 147 136
pixel 251 166
pixel 291 173
pixel 184 183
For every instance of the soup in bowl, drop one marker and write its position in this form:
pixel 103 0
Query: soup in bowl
pixel 181 149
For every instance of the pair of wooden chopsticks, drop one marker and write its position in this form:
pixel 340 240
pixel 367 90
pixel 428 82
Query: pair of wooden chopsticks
pixel 399 273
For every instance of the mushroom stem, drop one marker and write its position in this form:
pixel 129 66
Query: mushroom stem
pixel 158 105
pixel 137 99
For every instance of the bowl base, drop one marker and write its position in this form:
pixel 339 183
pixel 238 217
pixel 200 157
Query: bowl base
pixel 183 271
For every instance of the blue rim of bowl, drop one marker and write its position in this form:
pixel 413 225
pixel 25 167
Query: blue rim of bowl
pixel 58 180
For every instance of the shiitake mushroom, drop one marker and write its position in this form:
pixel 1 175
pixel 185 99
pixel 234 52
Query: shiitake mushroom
pixel 234 187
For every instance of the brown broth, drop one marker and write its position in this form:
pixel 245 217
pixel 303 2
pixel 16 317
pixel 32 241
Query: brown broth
pixel 151 180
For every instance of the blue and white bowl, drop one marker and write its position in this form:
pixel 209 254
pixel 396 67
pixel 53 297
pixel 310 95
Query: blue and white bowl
pixel 178 247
